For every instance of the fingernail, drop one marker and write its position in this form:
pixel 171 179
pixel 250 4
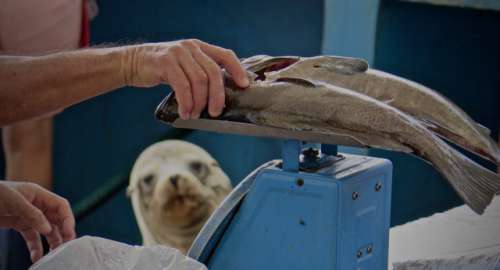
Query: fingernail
pixel 34 256
pixel 245 82
pixel 195 115
pixel 184 115
pixel 46 227
pixel 215 113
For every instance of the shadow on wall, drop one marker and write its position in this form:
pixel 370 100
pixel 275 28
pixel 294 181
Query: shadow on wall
pixel 99 138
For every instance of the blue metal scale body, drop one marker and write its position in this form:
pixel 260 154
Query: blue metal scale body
pixel 335 217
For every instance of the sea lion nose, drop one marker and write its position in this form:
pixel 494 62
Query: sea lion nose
pixel 174 179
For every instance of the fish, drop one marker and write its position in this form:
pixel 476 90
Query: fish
pixel 315 106
pixel 435 111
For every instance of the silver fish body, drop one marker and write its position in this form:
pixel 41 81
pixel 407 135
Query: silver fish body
pixel 298 104
pixel 434 110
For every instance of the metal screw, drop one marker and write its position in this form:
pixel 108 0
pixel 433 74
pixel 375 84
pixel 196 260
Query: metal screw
pixel 378 186
pixel 369 249
pixel 355 195
pixel 359 254
pixel 300 182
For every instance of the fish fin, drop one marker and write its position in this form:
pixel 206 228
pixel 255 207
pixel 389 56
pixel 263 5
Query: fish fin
pixel 299 81
pixel 454 138
pixel 346 65
pixel 236 116
pixel 371 140
pixel 475 185
pixel 388 101
pixel 484 130
pixel 255 58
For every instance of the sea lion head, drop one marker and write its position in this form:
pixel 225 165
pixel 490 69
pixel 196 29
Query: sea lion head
pixel 175 186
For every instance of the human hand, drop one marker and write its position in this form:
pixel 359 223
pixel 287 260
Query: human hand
pixel 191 67
pixel 32 210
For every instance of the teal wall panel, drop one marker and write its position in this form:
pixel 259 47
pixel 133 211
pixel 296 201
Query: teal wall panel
pixel 454 51
pixel 102 137
pixel 350 28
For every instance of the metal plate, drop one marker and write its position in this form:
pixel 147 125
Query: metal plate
pixel 234 127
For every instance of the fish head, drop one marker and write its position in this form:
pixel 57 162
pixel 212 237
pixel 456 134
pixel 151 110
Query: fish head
pixel 318 68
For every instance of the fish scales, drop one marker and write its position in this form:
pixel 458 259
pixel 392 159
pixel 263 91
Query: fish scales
pixel 316 106
pixel 437 112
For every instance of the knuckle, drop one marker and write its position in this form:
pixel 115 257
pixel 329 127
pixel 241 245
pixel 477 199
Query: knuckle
pixel 229 53
pixel 195 41
pixel 201 78
pixel 167 59
pixel 32 185
pixel 188 105
pixel 176 49
pixel 65 203
pixel 190 43
pixel 183 85
pixel 36 215
pixel 220 95
pixel 186 42
pixel 214 72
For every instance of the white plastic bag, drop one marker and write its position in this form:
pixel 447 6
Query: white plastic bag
pixel 96 253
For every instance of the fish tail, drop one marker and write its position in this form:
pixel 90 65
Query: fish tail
pixel 475 184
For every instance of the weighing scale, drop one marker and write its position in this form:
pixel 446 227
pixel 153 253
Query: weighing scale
pixel 313 209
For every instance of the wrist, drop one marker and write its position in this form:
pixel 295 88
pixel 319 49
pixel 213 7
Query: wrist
pixel 128 69
pixel 140 65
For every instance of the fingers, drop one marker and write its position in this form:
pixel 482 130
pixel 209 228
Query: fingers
pixel 216 95
pixel 68 229
pixel 54 238
pixel 195 76
pixel 65 226
pixel 34 243
pixel 58 212
pixel 198 80
pixel 181 86
pixel 33 210
pixel 31 236
pixel 229 60
pixel 29 214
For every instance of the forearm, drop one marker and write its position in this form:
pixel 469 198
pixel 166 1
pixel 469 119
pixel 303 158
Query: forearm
pixel 34 86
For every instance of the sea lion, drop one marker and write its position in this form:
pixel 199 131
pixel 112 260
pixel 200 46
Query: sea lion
pixel 174 187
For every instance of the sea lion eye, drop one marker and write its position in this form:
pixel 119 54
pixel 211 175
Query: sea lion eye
pixel 146 185
pixel 148 179
pixel 199 169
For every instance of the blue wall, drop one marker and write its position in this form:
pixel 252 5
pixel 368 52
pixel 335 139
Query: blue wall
pixel 452 50
pixel 99 138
